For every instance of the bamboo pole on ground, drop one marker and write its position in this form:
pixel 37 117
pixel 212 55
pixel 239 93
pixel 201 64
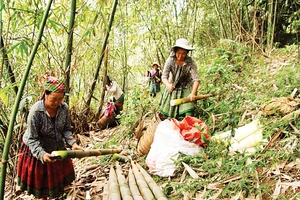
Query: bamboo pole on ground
pixel 133 186
pixel 156 190
pixel 63 154
pixel 18 99
pixel 124 188
pixel 113 185
pixel 142 184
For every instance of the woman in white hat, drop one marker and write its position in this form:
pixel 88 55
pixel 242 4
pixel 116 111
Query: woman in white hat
pixel 180 76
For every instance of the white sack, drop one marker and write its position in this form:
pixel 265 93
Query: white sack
pixel 166 146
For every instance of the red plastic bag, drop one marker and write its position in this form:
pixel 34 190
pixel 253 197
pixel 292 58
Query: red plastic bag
pixel 192 130
pixel 109 109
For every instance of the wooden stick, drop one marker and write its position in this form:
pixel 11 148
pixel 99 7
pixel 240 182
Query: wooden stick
pixel 176 102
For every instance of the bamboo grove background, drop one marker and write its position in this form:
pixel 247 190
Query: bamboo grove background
pixel 83 40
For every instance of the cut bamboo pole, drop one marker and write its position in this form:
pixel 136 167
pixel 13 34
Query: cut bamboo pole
pixel 142 184
pixel 156 190
pixel 133 186
pixel 124 188
pixel 63 154
pixel 113 185
pixel 176 102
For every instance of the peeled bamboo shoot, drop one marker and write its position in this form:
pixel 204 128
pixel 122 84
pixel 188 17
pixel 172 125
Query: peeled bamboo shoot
pixel 133 186
pixel 63 154
pixel 105 192
pixel 142 185
pixel 156 190
pixel 113 185
pixel 177 102
pixel 124 188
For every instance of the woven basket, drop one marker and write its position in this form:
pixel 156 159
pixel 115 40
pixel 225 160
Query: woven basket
pixel 144 143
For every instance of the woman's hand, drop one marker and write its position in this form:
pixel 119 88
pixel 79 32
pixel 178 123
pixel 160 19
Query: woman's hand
pixel 192 97
pixel 75 146
pixel 47 158
pixel 170 87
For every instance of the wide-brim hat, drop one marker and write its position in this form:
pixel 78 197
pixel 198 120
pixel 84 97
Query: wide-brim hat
pixel 155 63
pixel 183 43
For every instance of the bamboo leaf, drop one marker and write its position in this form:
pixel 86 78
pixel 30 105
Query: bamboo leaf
pixel 4 98
pixel 190 171
pixel 53 24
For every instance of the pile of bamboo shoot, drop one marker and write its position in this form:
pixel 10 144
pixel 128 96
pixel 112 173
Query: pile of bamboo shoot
pixel 246 138
pixel 138 185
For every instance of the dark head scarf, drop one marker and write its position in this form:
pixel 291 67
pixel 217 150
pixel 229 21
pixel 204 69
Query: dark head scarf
pixel 54 84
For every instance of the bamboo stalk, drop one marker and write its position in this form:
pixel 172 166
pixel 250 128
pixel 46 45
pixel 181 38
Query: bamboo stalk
pixel 69 48
pixel 176 102
pixel 152 184
pixel 18 99
pixel 142 184
pixel 104 44
pixel 63 154
pixel 133 186
pixel 113 185
pixel 124 188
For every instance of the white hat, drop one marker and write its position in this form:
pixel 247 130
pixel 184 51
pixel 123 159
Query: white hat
pixel 155 63
pixel 183 43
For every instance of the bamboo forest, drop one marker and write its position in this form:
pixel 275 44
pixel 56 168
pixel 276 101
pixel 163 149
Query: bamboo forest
pixel 150 99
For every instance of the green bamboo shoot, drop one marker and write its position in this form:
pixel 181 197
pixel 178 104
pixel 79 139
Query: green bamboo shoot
pixel 124 188
pixel 120 158
pixel 176 102
pixel 152 184
pixel 63 154
pixel 142 184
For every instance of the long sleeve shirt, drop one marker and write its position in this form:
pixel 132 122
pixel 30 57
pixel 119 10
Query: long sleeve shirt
pixel 113 90
pixel 183 76
pixel 46 134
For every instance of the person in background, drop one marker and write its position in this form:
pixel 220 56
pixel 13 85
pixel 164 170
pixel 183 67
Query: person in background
pixel 155 79
pixel 113 107
pixel 180 77
pixel 115 93
pixel 48 129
